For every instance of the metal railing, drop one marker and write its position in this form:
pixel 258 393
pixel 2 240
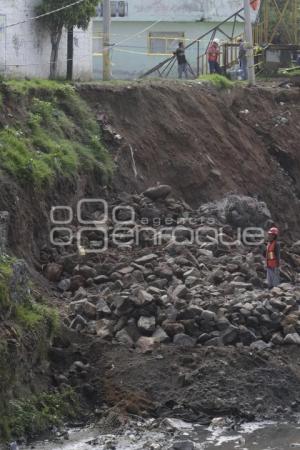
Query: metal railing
pixel 164 68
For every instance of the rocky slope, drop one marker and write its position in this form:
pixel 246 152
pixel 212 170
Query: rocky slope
pixel 173 318
pixel 182 327
pixel 191 279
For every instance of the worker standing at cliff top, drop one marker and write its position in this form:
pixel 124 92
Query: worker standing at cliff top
pixel 273 258
pixel 182 62
pixel 213 54
pixel 243 57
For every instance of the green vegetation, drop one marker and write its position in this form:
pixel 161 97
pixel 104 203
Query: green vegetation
pixel 32 322
pixel 292 72
pixel 59 135
pixel 50 133
pixel 281 18
pixel 218 81
pixel 26 86
pixel 38 413
pixel 29 315
pixel 5 274
pixel 32 315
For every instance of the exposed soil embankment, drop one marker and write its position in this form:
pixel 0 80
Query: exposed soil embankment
pixel 51 154
pixel 209 298
pixel 204 142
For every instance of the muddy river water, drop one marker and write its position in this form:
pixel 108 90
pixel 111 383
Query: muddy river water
pixel 148 436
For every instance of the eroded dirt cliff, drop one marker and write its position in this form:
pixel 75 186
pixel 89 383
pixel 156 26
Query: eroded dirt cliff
pixel 206 142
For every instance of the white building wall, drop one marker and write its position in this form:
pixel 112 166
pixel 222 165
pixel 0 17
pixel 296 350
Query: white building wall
pixel 25 48
pixel 83 54
pixel 132 58
pixel 181 10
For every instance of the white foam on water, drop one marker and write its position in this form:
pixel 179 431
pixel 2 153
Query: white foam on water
pixel 77 441
pixel 225 439
pixel 179 424
pixel 139 437
pixel 218 436
pixel 250 427
pixel 221 435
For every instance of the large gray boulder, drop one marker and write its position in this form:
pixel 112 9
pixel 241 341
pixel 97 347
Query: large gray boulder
pixel 183 340
pixel 124 338
pixel 238 211
pixel 147 324
pixel 158 192
pixel 230 335
pixel 292 338
pixel 160 335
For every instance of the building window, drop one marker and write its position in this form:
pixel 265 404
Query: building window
pixel 117 8
pixel 164 42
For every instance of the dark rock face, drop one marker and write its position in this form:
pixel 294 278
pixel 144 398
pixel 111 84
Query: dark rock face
pixel 4 224
pixel 19 282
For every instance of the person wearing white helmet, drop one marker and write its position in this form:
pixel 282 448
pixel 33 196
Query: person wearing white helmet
pixel 213 54
pixel 243 57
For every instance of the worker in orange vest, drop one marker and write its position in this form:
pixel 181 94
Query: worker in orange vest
pixel 213 53
pixel 273 258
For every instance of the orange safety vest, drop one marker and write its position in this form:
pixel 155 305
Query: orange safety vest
pixel 272 260
pixel 213 53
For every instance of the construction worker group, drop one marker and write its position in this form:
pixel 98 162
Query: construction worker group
pixel 213 58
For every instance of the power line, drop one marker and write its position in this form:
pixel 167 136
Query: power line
pixel 136 34
pixel 43 15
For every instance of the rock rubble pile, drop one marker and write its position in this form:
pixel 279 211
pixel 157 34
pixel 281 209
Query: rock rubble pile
pixel 171 274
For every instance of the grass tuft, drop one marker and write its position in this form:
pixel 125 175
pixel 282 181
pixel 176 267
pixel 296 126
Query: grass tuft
pixel 59 136
pixel 219 81
pixel 290 73
pixel 23 87
pixel 39 413
pixel 32 315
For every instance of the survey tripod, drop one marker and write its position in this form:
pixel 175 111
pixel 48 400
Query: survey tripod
pixel 171 64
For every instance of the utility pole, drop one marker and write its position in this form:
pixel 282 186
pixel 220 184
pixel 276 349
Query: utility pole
pixel 249 40
pixel 70 53
pixel 106 40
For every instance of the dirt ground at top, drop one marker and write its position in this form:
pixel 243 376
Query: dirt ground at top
pixel 206 142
